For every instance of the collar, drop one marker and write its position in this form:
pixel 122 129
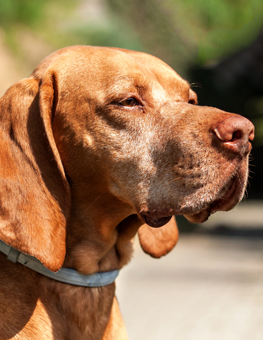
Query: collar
pixel 65 275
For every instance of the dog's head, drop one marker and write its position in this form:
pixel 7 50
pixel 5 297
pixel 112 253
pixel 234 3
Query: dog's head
pixel 106 134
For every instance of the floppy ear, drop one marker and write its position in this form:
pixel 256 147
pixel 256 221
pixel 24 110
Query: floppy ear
pixel 157 242
pixel 34 192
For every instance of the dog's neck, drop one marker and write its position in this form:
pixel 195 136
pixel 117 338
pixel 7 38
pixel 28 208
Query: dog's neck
pixel 99 233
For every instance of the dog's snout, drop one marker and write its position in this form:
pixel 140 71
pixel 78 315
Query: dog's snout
pixel 234 133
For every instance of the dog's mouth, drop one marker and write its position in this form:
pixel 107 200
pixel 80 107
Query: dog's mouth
pixel 230 195
pixel 155 221
pixel 226 199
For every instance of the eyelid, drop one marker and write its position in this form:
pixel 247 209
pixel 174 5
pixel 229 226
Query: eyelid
pixel 117 100
pixel 134 100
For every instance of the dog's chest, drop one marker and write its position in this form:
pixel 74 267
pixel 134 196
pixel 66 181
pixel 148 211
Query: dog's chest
pixel 35 307
pixel 82 312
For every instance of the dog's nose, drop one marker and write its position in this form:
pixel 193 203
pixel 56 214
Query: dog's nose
pixel 235 132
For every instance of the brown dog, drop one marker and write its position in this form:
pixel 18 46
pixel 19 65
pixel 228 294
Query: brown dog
pixel 96 142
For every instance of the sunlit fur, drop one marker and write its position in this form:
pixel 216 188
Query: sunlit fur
pixel 80 171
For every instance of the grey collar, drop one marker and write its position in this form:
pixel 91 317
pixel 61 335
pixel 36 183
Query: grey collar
pixel 65 275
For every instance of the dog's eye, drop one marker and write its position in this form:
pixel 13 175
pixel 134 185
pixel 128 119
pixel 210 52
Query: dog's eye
pixel 130 102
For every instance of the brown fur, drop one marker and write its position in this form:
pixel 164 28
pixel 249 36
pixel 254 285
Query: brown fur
pixel 81 171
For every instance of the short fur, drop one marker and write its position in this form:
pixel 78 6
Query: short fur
pixel 96 142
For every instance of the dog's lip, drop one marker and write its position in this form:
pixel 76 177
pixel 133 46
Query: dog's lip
pixel 229 199
pixel 229 195
pixel 156 219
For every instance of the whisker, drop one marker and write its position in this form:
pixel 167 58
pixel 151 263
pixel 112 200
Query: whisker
pixel 196 85
pixel 166 172
pixel 174 180
pixel 93 201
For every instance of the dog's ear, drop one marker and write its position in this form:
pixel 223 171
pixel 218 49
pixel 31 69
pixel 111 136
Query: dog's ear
pixel 157 242
pixel 34 192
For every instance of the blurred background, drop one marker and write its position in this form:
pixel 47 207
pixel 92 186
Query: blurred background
pixel 210 286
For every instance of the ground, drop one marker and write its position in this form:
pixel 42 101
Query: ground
pixel 209 287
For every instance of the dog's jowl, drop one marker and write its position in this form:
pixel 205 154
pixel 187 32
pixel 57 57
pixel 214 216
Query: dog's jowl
pixel 97 145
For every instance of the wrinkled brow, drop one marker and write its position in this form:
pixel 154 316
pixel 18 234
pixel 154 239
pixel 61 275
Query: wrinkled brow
pixel 125 85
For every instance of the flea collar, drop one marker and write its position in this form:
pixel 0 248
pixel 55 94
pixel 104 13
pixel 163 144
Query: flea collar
pixel 65 275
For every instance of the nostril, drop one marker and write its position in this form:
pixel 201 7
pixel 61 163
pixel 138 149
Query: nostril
pixel 238 134
pixel 234 132
pixel 225 135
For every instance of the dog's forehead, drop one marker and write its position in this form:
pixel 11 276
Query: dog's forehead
pixel 149 70
pixel 163 72
pixel 113 69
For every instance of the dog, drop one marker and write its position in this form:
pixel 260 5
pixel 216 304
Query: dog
pixel 97 145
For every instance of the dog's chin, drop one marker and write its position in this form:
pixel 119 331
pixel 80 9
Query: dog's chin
pixel 232 196
pixel 228 196
pixel 200 217
pixel 154 221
